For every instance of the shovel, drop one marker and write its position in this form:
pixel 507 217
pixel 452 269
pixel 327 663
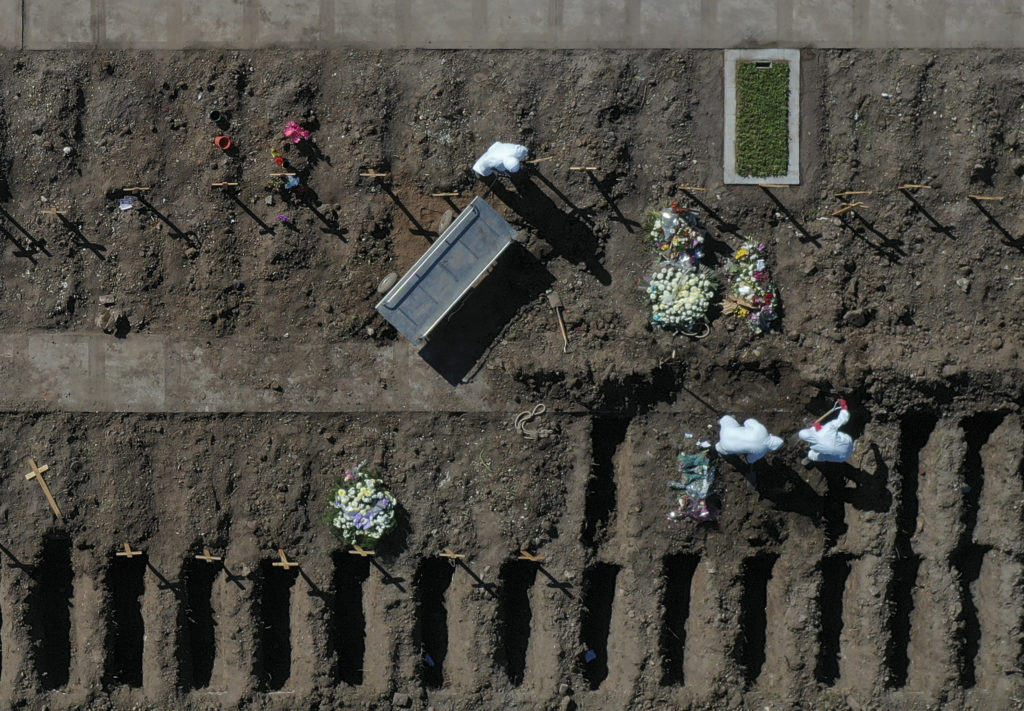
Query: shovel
pixel 556 305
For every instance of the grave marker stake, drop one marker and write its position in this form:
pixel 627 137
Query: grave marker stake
pixel 37 474
pixel 207 557
pixel 526 555
pixel 284 562
pixel 847 207
pixel 128 552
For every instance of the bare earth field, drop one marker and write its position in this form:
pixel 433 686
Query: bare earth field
pixel 890 582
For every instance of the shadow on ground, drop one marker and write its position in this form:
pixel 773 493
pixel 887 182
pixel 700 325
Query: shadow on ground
pixel 462 339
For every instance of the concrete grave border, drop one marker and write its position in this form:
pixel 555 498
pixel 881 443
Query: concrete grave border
pixel 732 56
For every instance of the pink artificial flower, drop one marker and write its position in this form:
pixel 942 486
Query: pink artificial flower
pixel 295 132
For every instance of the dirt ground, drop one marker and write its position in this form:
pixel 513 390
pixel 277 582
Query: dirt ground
pixel 893 581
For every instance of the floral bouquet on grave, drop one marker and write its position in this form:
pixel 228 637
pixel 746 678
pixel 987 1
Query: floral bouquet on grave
pixel 676 234
pixel 753 296
pixel 295 132
pixel 362 510
pixel 695 485
pixel 679 294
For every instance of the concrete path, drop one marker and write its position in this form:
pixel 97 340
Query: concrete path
pixel 486 24
pixel 152 373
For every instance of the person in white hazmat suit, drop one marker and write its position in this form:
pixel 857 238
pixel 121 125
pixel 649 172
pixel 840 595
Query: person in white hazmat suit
pixel 503 157
pixel 751 438
pixel 828 444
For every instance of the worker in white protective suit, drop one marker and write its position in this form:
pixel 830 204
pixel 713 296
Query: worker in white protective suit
pixel 828 444
pixel 503 157
pixel 752 438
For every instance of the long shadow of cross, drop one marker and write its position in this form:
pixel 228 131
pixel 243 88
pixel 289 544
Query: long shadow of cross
pixel 939 227
pixel 480 583
pixel 81 240
pixel 188 238
pixel 1008 239
pixel 35 245
pixel 563 585
pixel 805 235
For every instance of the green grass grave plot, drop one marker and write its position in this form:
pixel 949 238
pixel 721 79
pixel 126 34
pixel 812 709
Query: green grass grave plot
pixel 762 119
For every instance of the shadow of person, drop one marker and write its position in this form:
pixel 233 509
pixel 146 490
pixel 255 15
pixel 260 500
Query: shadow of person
pixel 567 233
pixel 870 492
pixel 789 491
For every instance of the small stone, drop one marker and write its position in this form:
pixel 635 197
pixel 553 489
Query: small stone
pixel 107 300
pixel 563 689
pixel 191 252
pixel 402 701
pixel 567 704
pixel 387 282
pixel 67 150
pixel 964 284
pixel 856 318
pixel 370 331
pixel 269 199
pixel 281 498
pixel 446 220
pixel 107 321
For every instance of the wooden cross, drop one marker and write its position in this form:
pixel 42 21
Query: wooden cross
pixel 223 185
pixel 583 167
pixel 526 555
pixel 53 211
pixel 374 174
pixel 985 197
pixel 37 474
pixel 284 562
pixel 128 552
pixel 535 161
pixel 847 206
pixel 289 175
pixel 854 192
pixel 445 194
pixel 135 190
pixel 769 185
pixel 207 557
pixel 450 554
pixel 692 187
pixel 912 186
pixel 360 551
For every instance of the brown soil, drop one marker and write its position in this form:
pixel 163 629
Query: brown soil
pixel 890 582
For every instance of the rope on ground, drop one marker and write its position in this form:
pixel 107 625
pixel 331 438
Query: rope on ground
pixel 699 334
pixel 525 416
